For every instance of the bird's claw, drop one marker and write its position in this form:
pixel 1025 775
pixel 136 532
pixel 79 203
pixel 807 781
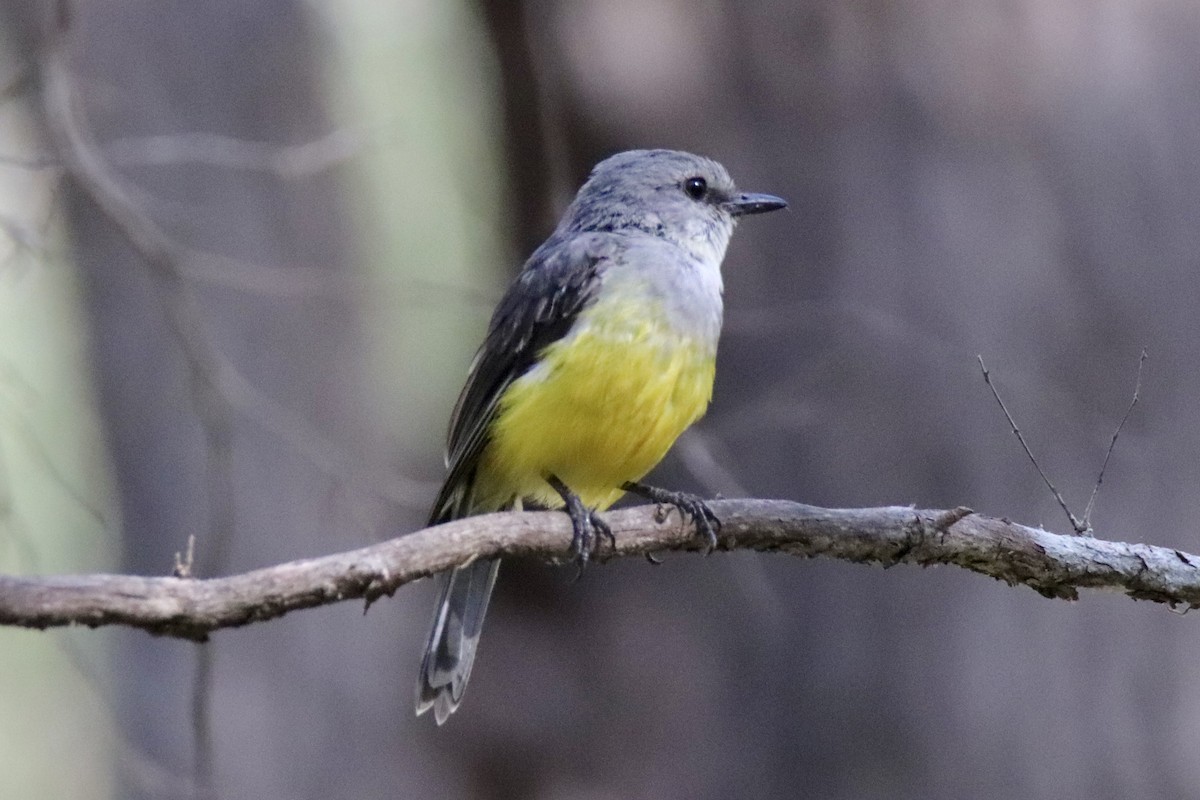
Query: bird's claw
pixel 589 530
pixel 704 520
pixel 690 506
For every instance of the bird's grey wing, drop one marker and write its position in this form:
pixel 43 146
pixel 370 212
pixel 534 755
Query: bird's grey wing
pixel 557 283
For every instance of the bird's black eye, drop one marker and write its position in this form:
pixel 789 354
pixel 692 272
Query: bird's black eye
pixel 696 188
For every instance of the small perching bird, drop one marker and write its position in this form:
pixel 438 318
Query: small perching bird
pixel 600 354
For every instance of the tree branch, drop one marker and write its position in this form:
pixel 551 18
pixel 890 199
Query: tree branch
pixel 1053 565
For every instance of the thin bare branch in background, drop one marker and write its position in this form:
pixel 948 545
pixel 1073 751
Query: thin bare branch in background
pixel 288 161
pixel 25 240
pixel 322 452
pixel 87 167
pixel 23 428
pixel 298 281
pixel 34 163
pixel 1080 526
pixel 89 170
pixel 218 388
pixel 15 396
pixel 27 228
pixel 12 532
pixel 1137 390
pixel 695 450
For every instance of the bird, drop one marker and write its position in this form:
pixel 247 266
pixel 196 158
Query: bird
pixel 599 355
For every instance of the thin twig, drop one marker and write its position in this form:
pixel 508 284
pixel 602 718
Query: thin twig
pixel 189 329
pixel 1137 388
pixel 285 160
pixel 184 561
pixel 13 407
pixel 31 163
pixel 218 390
pixel 1080 527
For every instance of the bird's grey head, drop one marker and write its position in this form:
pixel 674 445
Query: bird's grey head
pixel 684 198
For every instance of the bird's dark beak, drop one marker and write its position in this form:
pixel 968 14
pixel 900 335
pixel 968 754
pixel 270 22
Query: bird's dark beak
pixel 743 204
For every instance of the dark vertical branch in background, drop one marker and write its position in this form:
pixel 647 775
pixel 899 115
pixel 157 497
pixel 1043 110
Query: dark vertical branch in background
pixel 525 119
pixel 548 140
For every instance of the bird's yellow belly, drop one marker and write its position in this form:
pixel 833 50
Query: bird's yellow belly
pixel 602 407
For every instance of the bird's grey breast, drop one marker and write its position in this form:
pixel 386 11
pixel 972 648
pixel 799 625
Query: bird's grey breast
pixel 682 284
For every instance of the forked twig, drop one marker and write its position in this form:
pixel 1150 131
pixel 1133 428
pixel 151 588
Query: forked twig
pixel 1083 526
pixel 1080 526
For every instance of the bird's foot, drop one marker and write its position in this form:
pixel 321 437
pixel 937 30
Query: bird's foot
pixel 589 529
pixel 689 506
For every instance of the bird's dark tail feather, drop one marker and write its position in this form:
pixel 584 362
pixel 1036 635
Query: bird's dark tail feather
pixel 457 621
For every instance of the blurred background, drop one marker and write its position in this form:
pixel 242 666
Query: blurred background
pixel 341 190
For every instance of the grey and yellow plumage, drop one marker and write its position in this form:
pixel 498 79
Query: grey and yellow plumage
pixel 599 355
